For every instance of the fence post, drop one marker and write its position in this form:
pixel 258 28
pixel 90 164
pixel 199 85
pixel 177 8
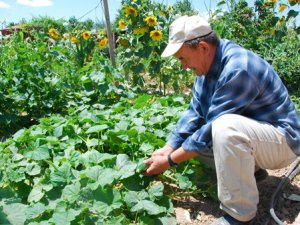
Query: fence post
pixel 109 35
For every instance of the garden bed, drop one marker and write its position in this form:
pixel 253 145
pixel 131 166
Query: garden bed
pixel 204 211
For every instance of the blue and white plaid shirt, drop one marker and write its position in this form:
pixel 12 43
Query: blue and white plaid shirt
pixel 238 82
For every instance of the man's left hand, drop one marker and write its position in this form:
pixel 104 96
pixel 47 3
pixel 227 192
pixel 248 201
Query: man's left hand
pixel 157 165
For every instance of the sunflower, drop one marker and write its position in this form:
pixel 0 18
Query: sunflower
pixel 140 30
pixel 151 20
pixel 163 13
pixel 274 31
pixel 280 21
pixel 53 33
pixel 86 35
pixel 124 42
pixel 74 40
pixel 156 35
pixel 282 7
pixel 122 24
pixel 129 10
pixel 272 1
pixel 102 43
pixel 66 36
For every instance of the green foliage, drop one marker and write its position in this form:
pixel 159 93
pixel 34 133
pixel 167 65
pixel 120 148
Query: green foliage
pixel 296 101
pixel 30 85
pixel 266 31
pixel 44 23
pixel 183 7
pixel 74 24
pixel 82 161
pixel 86 167
pixel 286 61
pixel 40 77
pixel 139 49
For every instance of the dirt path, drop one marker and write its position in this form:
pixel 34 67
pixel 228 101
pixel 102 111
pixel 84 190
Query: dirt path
pixel 204 211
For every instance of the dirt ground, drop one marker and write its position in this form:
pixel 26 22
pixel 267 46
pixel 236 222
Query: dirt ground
pixel 204 211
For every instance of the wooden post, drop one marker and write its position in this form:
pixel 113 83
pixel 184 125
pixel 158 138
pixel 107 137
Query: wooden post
pixel 109 35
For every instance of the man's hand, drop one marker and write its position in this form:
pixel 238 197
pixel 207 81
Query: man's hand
pixel 166 150
pixel 157 164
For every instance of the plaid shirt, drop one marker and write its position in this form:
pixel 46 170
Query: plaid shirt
pixel 238 82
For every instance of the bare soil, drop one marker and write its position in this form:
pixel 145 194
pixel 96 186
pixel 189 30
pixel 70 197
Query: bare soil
pixel 204 211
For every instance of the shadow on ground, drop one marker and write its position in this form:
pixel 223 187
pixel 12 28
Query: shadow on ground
pixel 204 211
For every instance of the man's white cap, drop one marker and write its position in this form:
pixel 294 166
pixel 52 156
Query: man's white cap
pixel 183 29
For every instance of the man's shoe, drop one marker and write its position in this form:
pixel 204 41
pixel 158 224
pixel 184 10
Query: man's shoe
pixel 229 220
pixel 260 175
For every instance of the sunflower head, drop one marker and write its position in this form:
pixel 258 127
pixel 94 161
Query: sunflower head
pixel 156 35
pixel 151 20
pixel 140 30
pixel 74 40
pixel 66 36
pixel 103 42
pixel 122 24
pixel 53 33
pixel 86 35
pixel 282 7
pixel 129 10
pixel 281 21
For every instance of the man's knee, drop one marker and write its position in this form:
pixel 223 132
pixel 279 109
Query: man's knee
pixel 223 126
pixel 227 130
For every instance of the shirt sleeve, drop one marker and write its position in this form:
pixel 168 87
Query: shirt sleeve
pixel 190 121
pixel 234 91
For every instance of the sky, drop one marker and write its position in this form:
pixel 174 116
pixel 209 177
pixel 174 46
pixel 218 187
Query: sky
pixel 16 10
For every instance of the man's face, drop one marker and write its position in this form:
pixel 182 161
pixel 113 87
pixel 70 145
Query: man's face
pixel 194 59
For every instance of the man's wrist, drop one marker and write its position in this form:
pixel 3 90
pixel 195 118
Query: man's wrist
pixel 171 162
pixel 168 148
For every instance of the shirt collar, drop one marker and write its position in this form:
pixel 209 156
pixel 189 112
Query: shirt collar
pixel 213 72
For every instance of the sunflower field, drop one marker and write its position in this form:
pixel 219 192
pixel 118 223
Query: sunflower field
pixel 75 130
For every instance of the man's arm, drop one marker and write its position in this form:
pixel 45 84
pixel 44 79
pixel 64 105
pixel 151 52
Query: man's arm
pixel 159 163
pixel 190 120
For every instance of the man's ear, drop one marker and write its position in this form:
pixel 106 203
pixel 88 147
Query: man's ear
pixel 204 46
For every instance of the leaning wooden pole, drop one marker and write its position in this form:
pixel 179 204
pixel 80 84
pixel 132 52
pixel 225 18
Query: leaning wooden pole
pixel 109 35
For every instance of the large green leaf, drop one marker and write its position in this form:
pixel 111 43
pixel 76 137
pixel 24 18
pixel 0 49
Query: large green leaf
pixel 156 191
pixel 36 194
pixel 148 206
pixel 107 199
pixel 142 101
pixel 35 210
pixel 101 176
pixel 71 192
pixel 64 217
pixel 33 169
pixel 133 197
pixel 97 129
pixel 62 175
pixel 16 175
pixel 94 157
pixel 15 213
pixel 183 181
pixel 124 166
pixel 40 153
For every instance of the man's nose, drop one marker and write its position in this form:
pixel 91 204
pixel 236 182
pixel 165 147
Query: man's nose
pixel 184 66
